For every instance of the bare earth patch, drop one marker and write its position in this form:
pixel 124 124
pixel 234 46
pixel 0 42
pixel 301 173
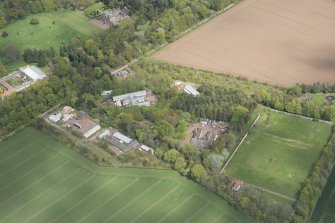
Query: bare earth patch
pixel 278 42
pixel 100 24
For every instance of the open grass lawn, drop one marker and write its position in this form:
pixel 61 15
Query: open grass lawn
pixel 43 181
pixel 53 30
pixel 93 8
pixel 279 152
pixel 324 210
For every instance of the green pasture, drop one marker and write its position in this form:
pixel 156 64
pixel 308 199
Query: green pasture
pixel 324 209
pixel 44 181
pixel 93 8
pixel 53 30
pixel 279 152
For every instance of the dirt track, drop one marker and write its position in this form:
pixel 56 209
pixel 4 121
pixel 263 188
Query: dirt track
pixel 279 42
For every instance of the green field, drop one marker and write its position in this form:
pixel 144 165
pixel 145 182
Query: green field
pixel 279 152
pixel 43 181
pixel 46 34
pixel 324 210
pixel 93 8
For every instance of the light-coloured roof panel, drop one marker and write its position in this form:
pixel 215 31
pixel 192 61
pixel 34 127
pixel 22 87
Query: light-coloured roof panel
pixel 33 72
pixel 130 95
pixel 190 90
pixel 122 137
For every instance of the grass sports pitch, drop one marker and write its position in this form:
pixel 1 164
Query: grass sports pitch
pixel 54 29
pixel 44 181
pixel 324 209
pixel 279 152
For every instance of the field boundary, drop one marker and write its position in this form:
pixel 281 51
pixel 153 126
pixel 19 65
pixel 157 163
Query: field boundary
pixel 299 116
pixel 241 142
pixel 270 192
pixel 333 192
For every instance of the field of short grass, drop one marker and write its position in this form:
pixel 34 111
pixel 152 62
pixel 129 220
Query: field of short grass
pixel 43 181
pixel 93 8
pixel 53 30
pixel 279 152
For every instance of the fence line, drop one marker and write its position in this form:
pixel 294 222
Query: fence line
pixel 238 146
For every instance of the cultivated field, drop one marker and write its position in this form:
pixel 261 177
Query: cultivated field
pixel 43 181
pixel 279 152
pixel 53 30
pixel 279 42
pixel 324 209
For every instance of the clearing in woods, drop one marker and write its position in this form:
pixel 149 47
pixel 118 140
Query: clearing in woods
pixel 279 42
pixel 44 181
pixel 279 152
pixel 53 30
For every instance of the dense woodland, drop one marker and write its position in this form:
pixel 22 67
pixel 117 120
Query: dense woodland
pixel 81 70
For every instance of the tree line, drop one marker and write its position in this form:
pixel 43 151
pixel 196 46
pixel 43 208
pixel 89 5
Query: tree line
pixel 317 179
pixel 292 102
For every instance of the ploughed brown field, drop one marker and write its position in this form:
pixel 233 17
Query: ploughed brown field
pixel 279 42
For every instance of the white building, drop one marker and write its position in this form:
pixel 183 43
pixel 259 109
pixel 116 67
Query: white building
pixel 122 138
pixel 106 93
pixel 190 90
pixel 68 110
pixel 104 134
pixel 55 117
pixel 92 131
pixel 146 149
pixel 135 98
pixel 33 72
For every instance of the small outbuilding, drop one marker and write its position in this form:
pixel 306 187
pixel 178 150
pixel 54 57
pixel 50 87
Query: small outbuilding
pixel 55 117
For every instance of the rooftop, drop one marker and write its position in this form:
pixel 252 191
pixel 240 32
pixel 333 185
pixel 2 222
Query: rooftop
pixel 190 90
pixel 33 72
pixel 122 137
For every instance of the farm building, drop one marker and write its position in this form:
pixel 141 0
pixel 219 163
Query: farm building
pixel 92 131
pixel 118 140
pixel 190 90
pixel 68 110
pixel 20 79
pixel 66 114
pixel 104 134
pixel 33 72
pixel 236 184
pixel 55 117
pixel 132 99
pixel 146 149
pixel 106 93
pixel 78 121
pixel 122 73
pixel 114 16
pixel 84 125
